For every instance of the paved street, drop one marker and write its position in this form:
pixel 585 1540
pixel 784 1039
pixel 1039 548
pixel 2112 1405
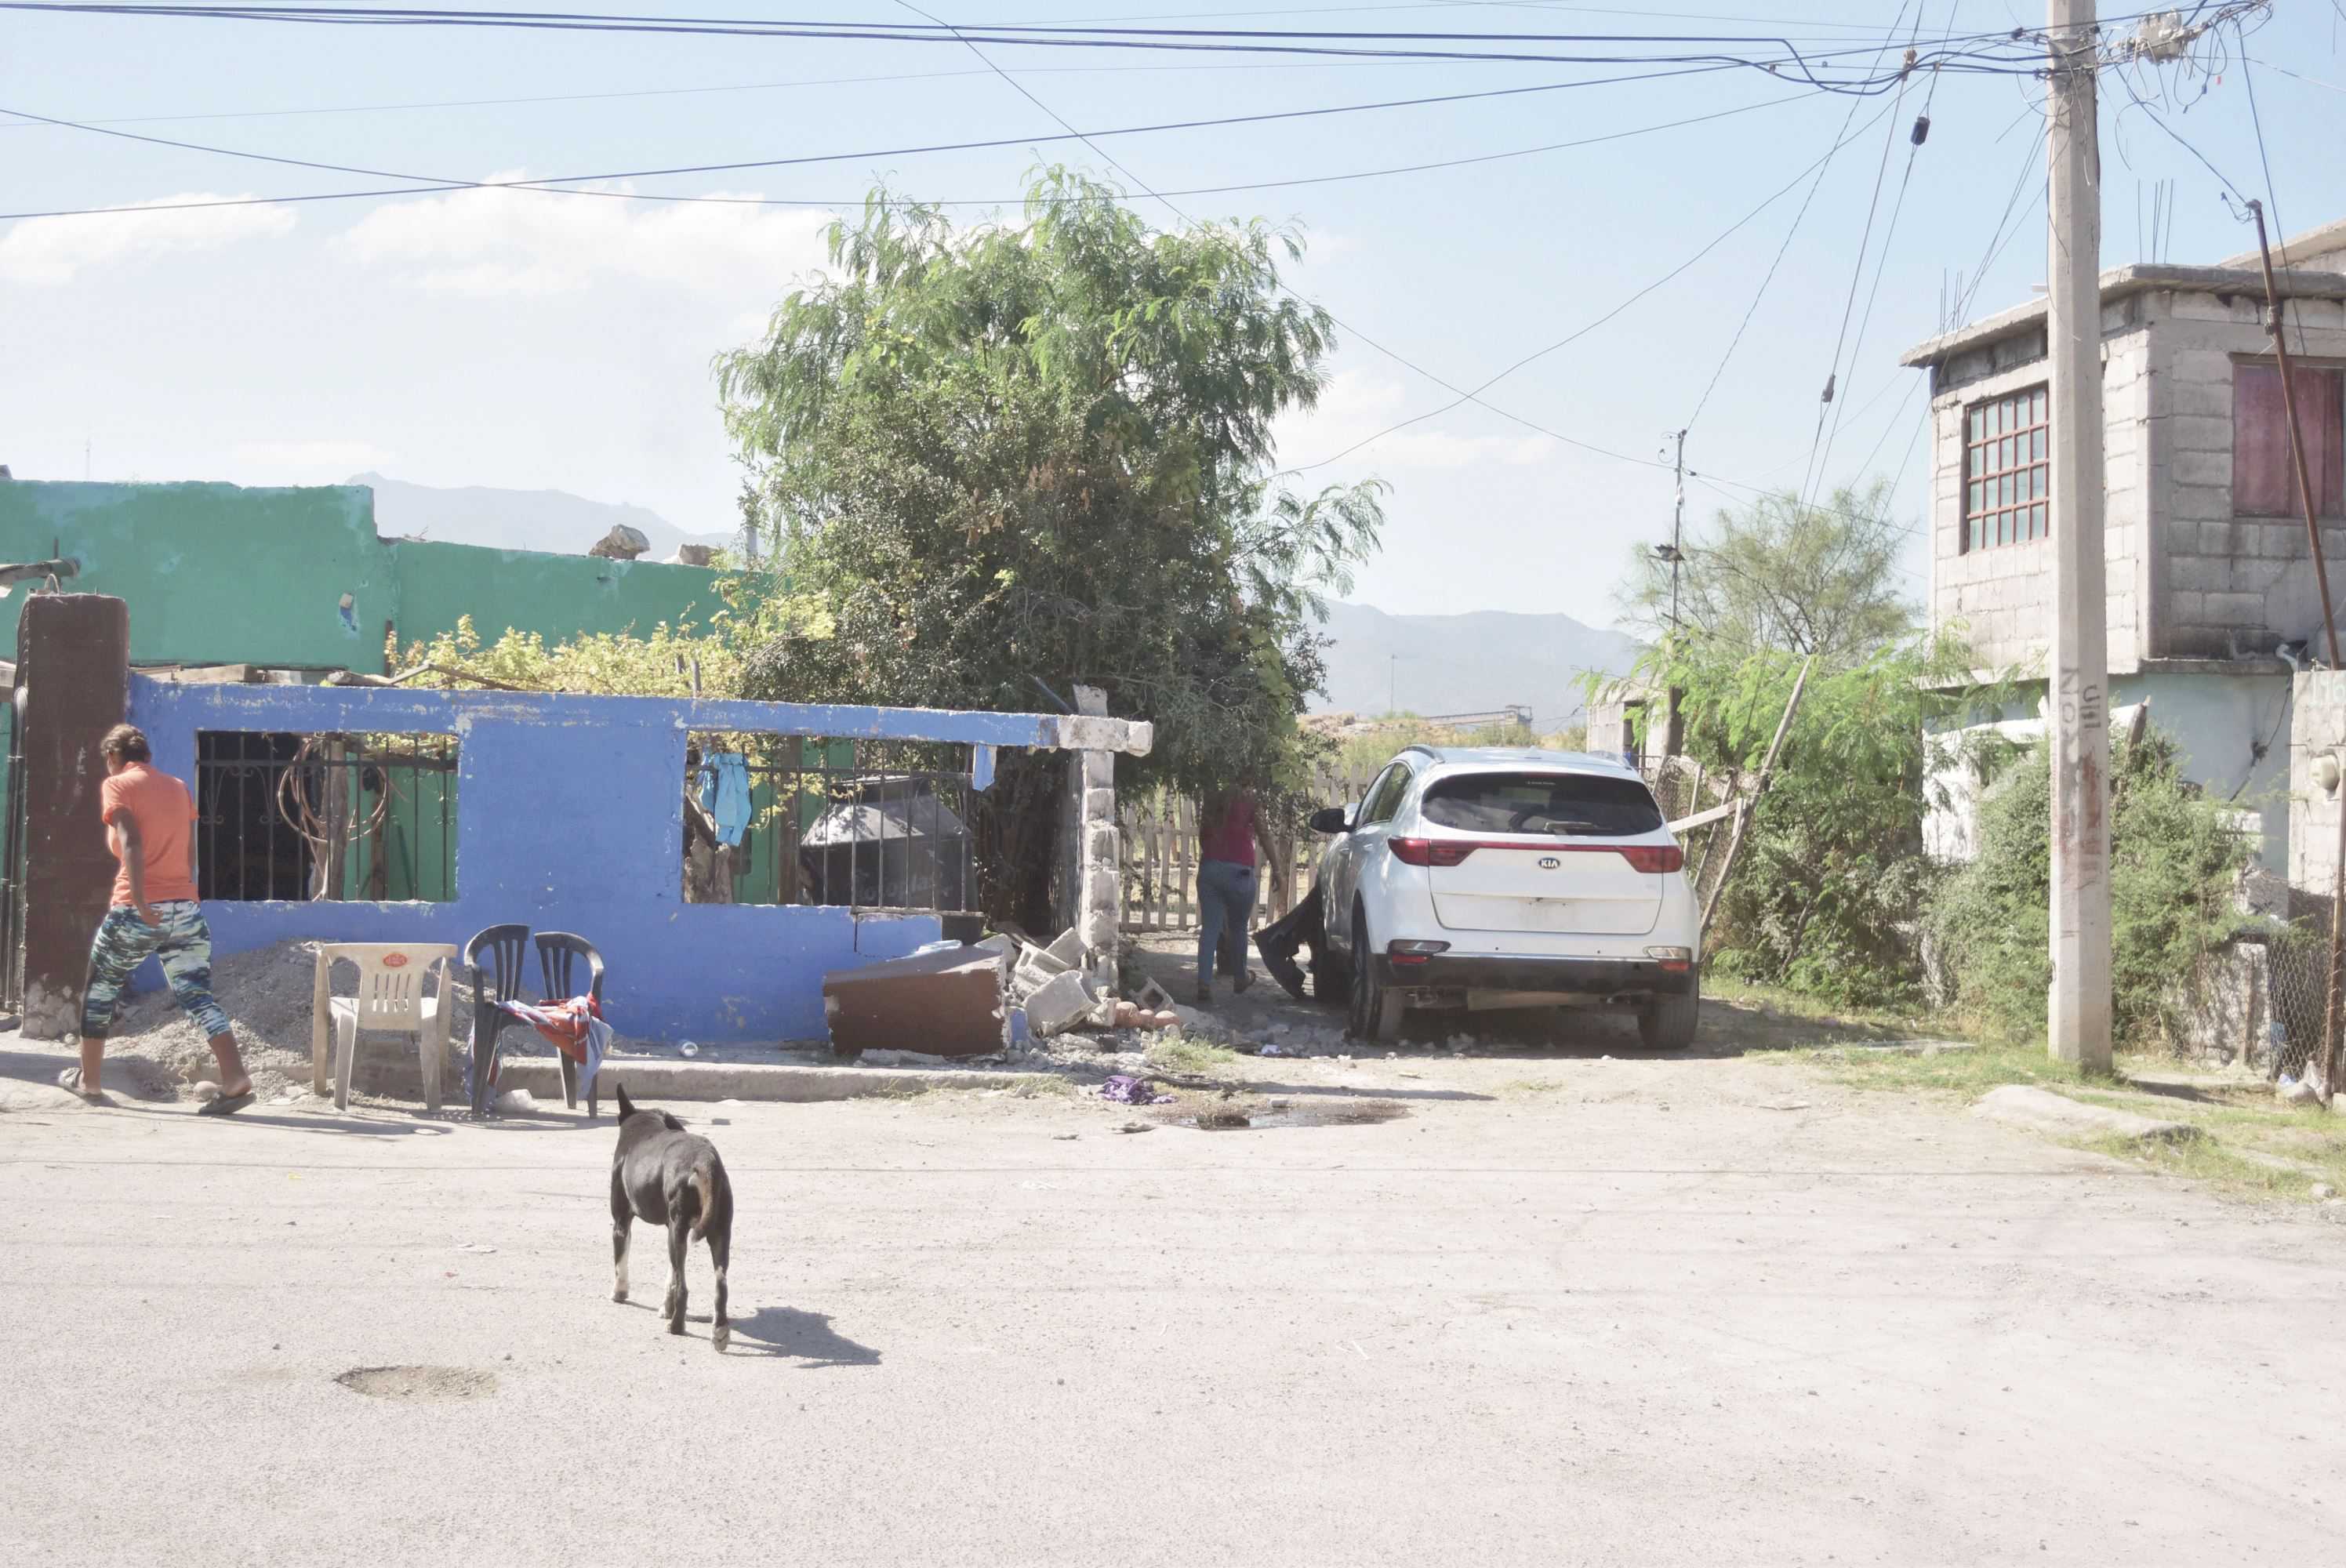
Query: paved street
pixel 1565 1311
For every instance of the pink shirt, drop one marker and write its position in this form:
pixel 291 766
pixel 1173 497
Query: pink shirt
pixel 1232 838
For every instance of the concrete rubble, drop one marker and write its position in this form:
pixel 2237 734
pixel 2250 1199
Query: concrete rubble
pixel 983 999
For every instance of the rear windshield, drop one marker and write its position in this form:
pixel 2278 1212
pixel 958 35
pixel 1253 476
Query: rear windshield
pixel 1577 803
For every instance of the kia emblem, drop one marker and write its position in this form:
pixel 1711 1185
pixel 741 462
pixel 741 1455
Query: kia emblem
pixel 1549 863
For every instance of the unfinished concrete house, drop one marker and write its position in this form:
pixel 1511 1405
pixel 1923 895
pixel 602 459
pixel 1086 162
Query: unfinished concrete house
pixel 2212 604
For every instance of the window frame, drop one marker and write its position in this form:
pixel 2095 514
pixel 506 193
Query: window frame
pixel 2011 503
pixel 1396 778
pixel 2328 476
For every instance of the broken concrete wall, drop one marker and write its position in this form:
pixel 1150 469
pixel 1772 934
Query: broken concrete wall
pixel 219 574
pixel 72 659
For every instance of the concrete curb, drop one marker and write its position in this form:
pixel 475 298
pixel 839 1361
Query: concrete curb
pixel 2043 1110
pixel 771 1081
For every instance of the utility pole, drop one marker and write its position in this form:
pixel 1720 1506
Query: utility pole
pixel 1673 731
pixel 2079 1015
pixel 1677 527
pixel 2335 1002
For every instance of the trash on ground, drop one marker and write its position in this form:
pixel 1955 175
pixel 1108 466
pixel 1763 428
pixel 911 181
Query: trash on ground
pixel 688 1049
pixel 1126 1090
pixel 516 1102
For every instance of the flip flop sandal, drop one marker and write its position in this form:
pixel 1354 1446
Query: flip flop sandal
pixel 70 1081
pixel 226 1105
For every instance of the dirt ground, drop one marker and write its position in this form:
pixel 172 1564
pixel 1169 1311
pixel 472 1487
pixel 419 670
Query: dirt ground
pixel 1714 1307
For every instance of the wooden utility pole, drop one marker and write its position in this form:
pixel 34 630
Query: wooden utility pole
pixel 1745 805
pixel 2330 1031
pixel 1673 724
pixel 2078 1018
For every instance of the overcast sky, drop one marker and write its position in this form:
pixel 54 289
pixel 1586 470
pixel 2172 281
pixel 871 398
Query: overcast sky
pixel 543 341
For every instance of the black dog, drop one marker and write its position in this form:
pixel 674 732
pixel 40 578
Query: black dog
pixel 671 1177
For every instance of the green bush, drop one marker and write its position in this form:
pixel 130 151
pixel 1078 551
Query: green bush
pixel 2173 862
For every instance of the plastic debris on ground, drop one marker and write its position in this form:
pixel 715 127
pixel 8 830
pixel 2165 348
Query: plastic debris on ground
pixel 1127 1090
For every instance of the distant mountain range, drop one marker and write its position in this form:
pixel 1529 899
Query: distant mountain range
pixel 1436 665
pixel 550 520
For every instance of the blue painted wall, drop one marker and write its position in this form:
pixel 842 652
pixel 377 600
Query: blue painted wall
pixel 570 818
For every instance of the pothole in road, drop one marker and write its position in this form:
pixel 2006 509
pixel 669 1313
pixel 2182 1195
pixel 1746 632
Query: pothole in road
pixel 1235 1116
pixel 418 1382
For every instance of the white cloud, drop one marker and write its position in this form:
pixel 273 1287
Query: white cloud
pixel 507 243
pixel 1355 407
pixel 51 250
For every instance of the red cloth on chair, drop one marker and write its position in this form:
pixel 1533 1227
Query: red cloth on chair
pixel 563 1023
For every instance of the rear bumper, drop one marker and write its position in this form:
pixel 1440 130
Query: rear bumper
pixel 1564 976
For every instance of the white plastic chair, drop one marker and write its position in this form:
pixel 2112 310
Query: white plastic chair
pixel 389 999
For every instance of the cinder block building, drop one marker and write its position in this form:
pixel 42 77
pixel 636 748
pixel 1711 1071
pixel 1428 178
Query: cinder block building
pixel 2212 604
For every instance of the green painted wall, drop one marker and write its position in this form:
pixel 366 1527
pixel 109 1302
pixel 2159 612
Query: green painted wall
pixel 218 573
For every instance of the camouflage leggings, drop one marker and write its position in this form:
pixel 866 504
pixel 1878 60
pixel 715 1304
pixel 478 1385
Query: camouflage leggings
pixel 183 941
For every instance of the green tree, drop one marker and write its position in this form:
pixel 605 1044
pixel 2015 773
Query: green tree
pixel 1014 457
pixel 1832 877
pixel 1776 575
pixel 2174 858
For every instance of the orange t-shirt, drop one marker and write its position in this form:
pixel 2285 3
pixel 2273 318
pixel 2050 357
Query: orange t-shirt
pixel 165 815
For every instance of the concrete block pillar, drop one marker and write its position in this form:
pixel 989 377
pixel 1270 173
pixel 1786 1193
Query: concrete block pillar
pixel 1098 879
pixel 73 674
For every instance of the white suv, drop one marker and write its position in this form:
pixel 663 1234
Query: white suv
pixel 1489 879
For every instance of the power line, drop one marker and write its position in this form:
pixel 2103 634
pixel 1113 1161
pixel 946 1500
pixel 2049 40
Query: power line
pixel 715 87
pixel 1880 260
pixel 1865 241
pixel 1474 394
pixel 425 184
pixel 1768 277
pixel 1987 54
pixel 2272 192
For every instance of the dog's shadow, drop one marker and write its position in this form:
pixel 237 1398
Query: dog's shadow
pixel 787 1331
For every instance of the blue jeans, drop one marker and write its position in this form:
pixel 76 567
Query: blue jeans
pixel 1224 903
pixel 183 941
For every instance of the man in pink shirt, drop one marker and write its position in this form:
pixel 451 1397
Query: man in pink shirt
pixel 1227 828
pixel 150 822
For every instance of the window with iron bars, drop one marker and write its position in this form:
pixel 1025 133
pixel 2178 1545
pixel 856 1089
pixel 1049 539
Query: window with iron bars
pixel 2007 469
pixel 360 818
pixel 811 820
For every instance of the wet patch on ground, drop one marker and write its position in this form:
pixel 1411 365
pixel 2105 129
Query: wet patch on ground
pixel 418 1382
pixel 1232 1114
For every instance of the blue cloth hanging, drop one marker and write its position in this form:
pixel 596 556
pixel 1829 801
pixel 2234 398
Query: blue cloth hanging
pixel 725 794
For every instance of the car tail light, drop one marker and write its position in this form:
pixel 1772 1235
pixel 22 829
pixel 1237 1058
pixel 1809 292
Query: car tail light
pixel 1654 856
pixel 1429 851
pixel 1676 960
pixel 1407 950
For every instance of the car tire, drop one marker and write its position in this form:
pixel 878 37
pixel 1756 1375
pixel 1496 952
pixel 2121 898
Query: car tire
pixel 1668 1022
pixel 1331 979
pixel 1376 1007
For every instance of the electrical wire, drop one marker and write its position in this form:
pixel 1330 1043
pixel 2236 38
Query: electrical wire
pixel 1987 54
pixel 1880 264
pixel 424 184
pixel 686 92
pixel 2272 194
pixel 1474 394
pixel 1849 306
pixel 1770 276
